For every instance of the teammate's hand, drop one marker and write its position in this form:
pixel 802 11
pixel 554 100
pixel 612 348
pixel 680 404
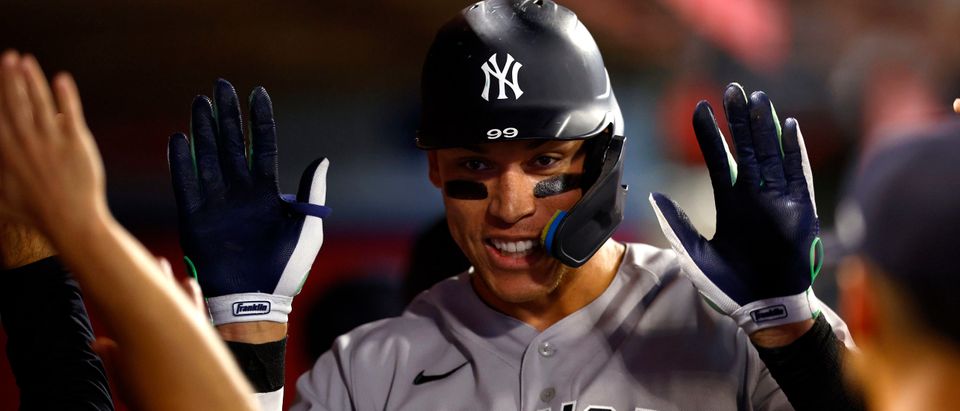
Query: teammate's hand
pixel 760 264
pixel 51 176
pixel 250 247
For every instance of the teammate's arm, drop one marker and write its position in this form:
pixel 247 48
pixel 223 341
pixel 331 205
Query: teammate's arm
pixel 53 180
pixel 48 331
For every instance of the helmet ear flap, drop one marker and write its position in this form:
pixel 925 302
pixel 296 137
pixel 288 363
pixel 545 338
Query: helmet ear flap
pixel 575 236
pixel 596 150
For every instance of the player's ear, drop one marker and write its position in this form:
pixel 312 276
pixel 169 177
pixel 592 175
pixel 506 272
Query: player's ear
pixel 857 300
pixel 434 170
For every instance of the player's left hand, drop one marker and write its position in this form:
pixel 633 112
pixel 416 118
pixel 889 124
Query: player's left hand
pixel 760 265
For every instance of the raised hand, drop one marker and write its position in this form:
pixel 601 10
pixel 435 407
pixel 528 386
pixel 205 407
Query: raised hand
pixel 250 247
pixel 51 175
pixel 760 264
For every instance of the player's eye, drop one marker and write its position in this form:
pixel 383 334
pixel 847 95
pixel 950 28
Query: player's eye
pixel 545 161
pixel 475 165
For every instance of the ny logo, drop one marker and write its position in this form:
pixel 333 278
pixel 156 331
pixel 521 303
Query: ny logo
pixel 490 68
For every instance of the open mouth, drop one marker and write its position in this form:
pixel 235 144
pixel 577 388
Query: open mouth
pixel 514 249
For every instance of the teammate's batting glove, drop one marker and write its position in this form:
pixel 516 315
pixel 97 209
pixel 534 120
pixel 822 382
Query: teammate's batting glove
pixel 250 247
pixel 759 266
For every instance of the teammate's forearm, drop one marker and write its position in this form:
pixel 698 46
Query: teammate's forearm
pixel 21 245
pixel 151 319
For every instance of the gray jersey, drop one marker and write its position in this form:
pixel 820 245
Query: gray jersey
pixel 647 342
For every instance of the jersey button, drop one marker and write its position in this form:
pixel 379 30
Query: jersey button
pixel 548 394
pixel 547 349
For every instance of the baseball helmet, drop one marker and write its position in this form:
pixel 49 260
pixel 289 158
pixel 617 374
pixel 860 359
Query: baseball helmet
pixel 528 69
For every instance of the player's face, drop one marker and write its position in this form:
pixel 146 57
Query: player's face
pixel 499 230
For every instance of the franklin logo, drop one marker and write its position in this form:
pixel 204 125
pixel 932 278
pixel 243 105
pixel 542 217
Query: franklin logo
pixel 490 68
pixel 775 312
pixel 250 308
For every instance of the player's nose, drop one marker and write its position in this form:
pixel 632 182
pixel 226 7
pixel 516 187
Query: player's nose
pixel 512 199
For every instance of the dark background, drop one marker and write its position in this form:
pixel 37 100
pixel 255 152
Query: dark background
pixel 344 80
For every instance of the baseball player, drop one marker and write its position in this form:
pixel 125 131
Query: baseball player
pixel 525 141
pixel 898 288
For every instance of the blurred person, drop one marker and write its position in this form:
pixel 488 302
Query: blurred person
pixel 887 85
pixel 52 180
pixel 899 287
pixel 524 139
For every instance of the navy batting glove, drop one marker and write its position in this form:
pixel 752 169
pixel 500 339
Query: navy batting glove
pixel 250 247
pixel 760 265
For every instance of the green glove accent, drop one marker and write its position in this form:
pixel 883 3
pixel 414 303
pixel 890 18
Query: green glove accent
pixel 191 269
pixel 816 258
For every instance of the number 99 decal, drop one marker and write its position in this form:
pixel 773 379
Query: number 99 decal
pixel 495 133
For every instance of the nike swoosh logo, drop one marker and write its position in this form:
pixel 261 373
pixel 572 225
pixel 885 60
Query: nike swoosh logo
pixel 423 379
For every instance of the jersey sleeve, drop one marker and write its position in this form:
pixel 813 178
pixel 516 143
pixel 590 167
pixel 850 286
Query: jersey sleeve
pixel 324 387
pixel 358 371
pixel 48 339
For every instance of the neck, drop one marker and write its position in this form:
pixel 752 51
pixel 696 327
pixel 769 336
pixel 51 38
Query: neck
pixel 576 288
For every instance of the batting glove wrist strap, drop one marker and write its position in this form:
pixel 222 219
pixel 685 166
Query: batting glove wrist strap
pixel 248 307
pixel 773 312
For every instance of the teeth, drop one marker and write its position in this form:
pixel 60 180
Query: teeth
pixel 514 247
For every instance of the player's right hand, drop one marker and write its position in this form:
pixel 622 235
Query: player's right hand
pixel 250 247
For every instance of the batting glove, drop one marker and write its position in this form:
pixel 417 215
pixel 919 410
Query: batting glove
pixel 250 247
pixel 759 266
